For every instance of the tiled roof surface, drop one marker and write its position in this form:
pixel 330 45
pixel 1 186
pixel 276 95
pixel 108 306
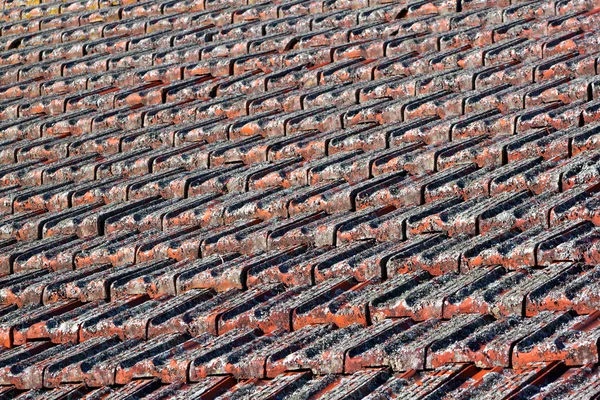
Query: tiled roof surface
pixel 332 199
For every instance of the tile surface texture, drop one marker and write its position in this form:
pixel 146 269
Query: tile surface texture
pixel 299 199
